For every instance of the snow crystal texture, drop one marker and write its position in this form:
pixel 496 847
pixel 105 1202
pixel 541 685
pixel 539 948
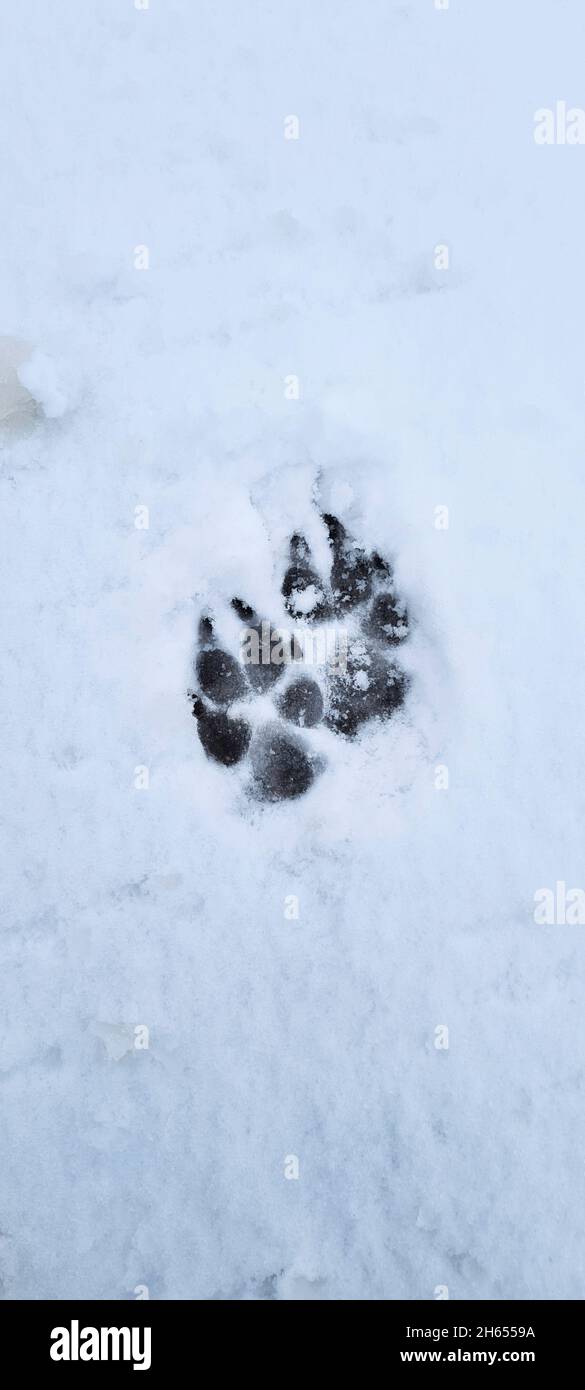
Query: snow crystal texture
pixel 222 1061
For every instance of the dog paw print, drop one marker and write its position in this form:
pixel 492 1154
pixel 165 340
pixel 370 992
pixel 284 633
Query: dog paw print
pixel 333 666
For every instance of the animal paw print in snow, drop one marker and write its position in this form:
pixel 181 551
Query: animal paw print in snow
pixel 359 606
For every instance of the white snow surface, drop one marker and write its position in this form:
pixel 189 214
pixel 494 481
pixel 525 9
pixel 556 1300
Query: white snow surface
pixel 165 906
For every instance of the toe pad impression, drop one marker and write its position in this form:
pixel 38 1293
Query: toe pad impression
pixel 281 766
pixel 224 739
pixel 302 703
pixel 220 676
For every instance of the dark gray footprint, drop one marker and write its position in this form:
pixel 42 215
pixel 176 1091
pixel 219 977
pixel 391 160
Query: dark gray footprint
pixel 304 592
pixel 352 570
pixel 220 676
pixel 369 685
pixel 387 620
pixel 282 765
pixel 266 651
pixel 222 681
pixel 224 738
pixel 370 688
pixel 302 703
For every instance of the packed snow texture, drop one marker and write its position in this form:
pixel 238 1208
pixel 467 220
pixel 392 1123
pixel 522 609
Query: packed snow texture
pixel 172 260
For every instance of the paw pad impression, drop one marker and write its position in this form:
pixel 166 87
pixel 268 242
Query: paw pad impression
pixel 358 604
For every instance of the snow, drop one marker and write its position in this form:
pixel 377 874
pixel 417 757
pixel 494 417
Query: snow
pixel 172 260
pixel 17 405
pixel 303 600
pixel 40 376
